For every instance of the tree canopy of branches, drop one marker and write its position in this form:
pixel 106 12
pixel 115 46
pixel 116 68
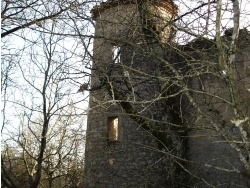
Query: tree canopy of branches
pixel 43 65
pixel 198 75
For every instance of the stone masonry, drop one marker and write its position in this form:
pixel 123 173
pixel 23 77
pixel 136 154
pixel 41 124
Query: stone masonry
pixel 142 131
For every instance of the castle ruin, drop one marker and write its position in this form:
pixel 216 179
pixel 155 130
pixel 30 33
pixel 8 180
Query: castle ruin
pixel 160 114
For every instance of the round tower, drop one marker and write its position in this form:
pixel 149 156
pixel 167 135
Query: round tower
pixel 119 151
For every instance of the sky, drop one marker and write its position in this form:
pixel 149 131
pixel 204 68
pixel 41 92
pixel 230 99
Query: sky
pixel 22 94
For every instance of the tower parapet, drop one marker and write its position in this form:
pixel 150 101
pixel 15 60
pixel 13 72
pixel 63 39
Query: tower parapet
pixel 125 19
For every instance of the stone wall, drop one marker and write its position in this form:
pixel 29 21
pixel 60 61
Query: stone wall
pixel 159 134
pixel 211 158
pixel 134 160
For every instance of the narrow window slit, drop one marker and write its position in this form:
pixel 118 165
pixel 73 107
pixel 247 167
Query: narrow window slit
pixel 116 54
pixel 113 128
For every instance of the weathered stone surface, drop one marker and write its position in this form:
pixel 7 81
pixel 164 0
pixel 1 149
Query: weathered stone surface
pixel 161 137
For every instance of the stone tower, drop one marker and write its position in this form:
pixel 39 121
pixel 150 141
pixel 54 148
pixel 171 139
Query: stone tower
pixel 119 152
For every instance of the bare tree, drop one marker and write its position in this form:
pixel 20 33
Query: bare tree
pixel 41 73
pixel 197 87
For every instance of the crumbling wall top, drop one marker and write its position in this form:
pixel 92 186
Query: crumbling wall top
pixel 167 4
